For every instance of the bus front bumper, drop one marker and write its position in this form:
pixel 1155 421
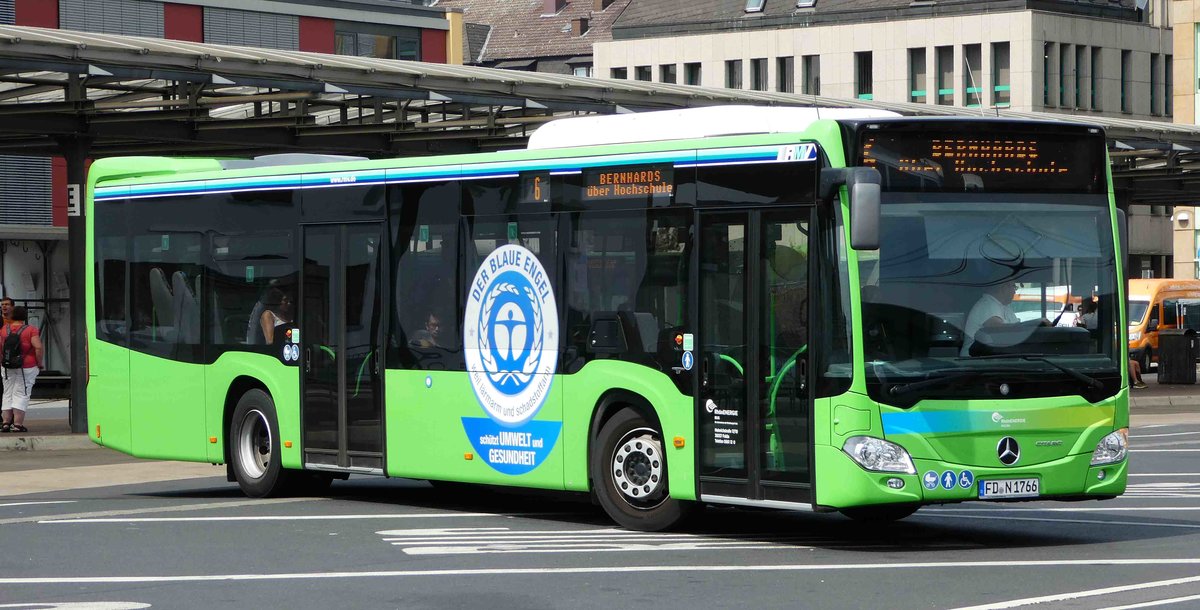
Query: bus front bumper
pixel 843 484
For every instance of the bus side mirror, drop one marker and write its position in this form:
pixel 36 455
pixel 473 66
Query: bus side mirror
pixel 862 184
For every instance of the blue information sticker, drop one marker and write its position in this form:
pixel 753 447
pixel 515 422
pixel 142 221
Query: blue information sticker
pixel 688 361
pixel 949 479
pixel 930 480
pixel 966 479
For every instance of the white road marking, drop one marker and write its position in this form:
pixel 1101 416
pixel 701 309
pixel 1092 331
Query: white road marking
pixel 32 503
pixel 1165 489
pixel 79 606
pixel 1161 435
pixel 160 509
pixel 60 521
pixel 488 540
pixel 619 570
pixel 1163 450
pixel 1166 474
pixel 1029 601
pixel 1157 602
pixel 1085 521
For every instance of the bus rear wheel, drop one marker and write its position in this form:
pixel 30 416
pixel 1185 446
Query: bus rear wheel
pixel 885 513
pixel 255 453
pixel 629 474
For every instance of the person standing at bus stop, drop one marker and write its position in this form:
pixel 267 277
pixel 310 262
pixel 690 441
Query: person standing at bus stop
pixel 19 375
pixel 6 308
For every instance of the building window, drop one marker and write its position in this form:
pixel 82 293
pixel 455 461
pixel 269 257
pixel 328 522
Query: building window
pixel 1155 81
pixel 378 43
pixel 863 75
pixel 585 71
pixel 1047 62
pixel 758 74
pixel 945 75
pixel 666 73
pixel 811 66
pixel 917 76
pixel 1064 75
pixel 733 74
pixel 785 74
pixel 1097 71
pixel 641 73
pixel 691 74
pixel 1080 81
pixel 618 73
pixel 1126 84
pixel 972 75
pixel 1169 81
pixel 1001 75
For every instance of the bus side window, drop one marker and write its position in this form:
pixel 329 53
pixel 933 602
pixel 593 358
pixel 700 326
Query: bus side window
pixel 425 309
pixel 112 259
pixel 252 250
pixel 165 273
pixel 633 264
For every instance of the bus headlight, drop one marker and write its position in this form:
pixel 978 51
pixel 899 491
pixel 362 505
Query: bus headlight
pixel 878 455
pixel 1135 335
pixel 1112 448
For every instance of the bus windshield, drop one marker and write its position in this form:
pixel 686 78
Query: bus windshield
pixel 1008 286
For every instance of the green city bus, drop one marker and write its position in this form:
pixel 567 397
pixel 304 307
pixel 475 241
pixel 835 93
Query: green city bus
pixel 794 308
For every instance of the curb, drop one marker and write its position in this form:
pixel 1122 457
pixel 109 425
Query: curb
pixel 46 443
pixel 1187 402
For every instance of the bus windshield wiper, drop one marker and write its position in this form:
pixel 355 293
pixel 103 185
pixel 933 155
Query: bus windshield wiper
pixel 915 386
pixel 1091 382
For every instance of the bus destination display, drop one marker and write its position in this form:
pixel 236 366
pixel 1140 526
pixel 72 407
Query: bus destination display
pixel 629 182
pixel 983 162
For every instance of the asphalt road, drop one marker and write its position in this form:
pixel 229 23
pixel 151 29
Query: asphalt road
pixel 373 543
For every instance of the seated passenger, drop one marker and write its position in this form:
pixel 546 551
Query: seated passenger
pixel 276 313
pixel 428 336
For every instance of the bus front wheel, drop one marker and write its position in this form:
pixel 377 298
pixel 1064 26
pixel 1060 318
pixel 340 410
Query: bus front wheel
pixel 256 458
pixel 629 474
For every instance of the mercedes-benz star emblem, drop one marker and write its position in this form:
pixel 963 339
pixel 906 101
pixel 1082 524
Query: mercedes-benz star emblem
pixel 1008 450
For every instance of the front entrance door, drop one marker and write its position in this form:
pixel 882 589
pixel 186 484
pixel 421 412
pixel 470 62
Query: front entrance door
pixel 341 311
pixel 754 402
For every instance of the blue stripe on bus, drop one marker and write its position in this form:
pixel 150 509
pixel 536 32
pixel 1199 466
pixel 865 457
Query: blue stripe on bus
pixel 751 154
pixel 931 422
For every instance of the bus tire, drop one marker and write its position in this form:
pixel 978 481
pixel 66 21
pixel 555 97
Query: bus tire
pixel 255 454
pixel 629 474
pixel 884 513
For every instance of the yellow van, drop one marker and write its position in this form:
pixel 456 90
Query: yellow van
pixel 1153 306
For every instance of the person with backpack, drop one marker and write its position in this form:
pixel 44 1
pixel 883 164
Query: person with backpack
pixel 22 356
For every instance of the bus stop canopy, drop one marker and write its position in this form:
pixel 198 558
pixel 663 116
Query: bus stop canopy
pixel 123 95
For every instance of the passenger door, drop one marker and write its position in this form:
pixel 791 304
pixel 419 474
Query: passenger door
pixel 754 401
pixel 341 332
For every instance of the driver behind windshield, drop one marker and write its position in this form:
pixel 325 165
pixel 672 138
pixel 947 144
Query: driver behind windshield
pixel 994 308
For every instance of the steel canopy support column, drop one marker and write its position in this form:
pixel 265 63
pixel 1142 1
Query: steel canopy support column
pixel 75 151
